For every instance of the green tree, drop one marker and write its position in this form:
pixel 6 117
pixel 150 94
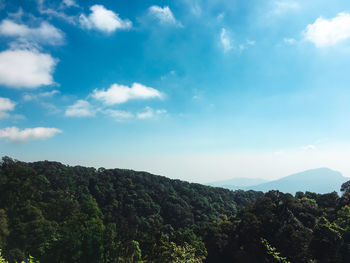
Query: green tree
pixel 273 252
pixel 4 232
pixel 326 241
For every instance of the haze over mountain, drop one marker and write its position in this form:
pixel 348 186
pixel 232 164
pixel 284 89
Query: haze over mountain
pixel 238 183
pixel 321 180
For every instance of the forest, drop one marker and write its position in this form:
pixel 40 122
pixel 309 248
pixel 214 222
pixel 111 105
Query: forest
pixel 50 212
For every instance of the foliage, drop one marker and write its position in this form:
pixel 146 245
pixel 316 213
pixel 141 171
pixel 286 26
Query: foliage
pixel 273 252
pixel 178 254
pixel 29 259
pixel 59 213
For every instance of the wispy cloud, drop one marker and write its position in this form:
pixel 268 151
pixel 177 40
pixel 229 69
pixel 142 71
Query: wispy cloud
pixel 70 3
pixel 225 40
pixel 196 9
pixel 81 108
pixel 328 32
pixel 103 20
pixel 220 17
pixel 117 94
pixel 57 12
pixel 164 15
pixel 227 43
pixel 309 147
pixel 50 108
pixel 26 68
pixel 149 113
pixel 47 94
pixel 118 115
pixel 14 134
pixel 289 41
pixel 246 44
pixel 281 7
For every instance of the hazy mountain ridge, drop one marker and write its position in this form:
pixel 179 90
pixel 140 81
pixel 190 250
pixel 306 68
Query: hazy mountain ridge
pixel 320 180
pixel 238 183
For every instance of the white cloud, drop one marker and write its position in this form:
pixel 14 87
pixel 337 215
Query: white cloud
pixel 328 32
pixel 225 40
pixel 163 15
pixel 150 113
pixel 44 34
pixel 81 108
pixel 13 134
pixel 5 106
pixel 103 20
pixel 118 115
pixel 26 68
pixel 117 94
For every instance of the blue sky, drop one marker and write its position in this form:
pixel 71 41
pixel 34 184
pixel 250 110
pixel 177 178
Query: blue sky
pixel 191 89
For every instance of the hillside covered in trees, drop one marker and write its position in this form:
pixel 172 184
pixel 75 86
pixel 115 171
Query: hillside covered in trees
pixel 59 213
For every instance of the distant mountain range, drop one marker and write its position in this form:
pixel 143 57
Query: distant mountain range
pixel 238 183
pixel 321 180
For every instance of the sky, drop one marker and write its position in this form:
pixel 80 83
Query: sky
pixel 199 90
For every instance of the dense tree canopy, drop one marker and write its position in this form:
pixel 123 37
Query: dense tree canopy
pixel 59 213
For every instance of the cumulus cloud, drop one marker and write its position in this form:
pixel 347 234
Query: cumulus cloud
pixel 117 94
pixel 225 40
pixel 13 134
pixel 103 20
pixel 149 113
pixel 328 32
pixel 26 68
pixel 81 108
pixel 44 34
pixel 163 15
pixel 6 105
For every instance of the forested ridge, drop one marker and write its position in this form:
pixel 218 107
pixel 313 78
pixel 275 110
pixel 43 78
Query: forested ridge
pixel 60 213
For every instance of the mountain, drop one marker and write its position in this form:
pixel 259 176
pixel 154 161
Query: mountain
pixel 238 183
pixel 321 180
